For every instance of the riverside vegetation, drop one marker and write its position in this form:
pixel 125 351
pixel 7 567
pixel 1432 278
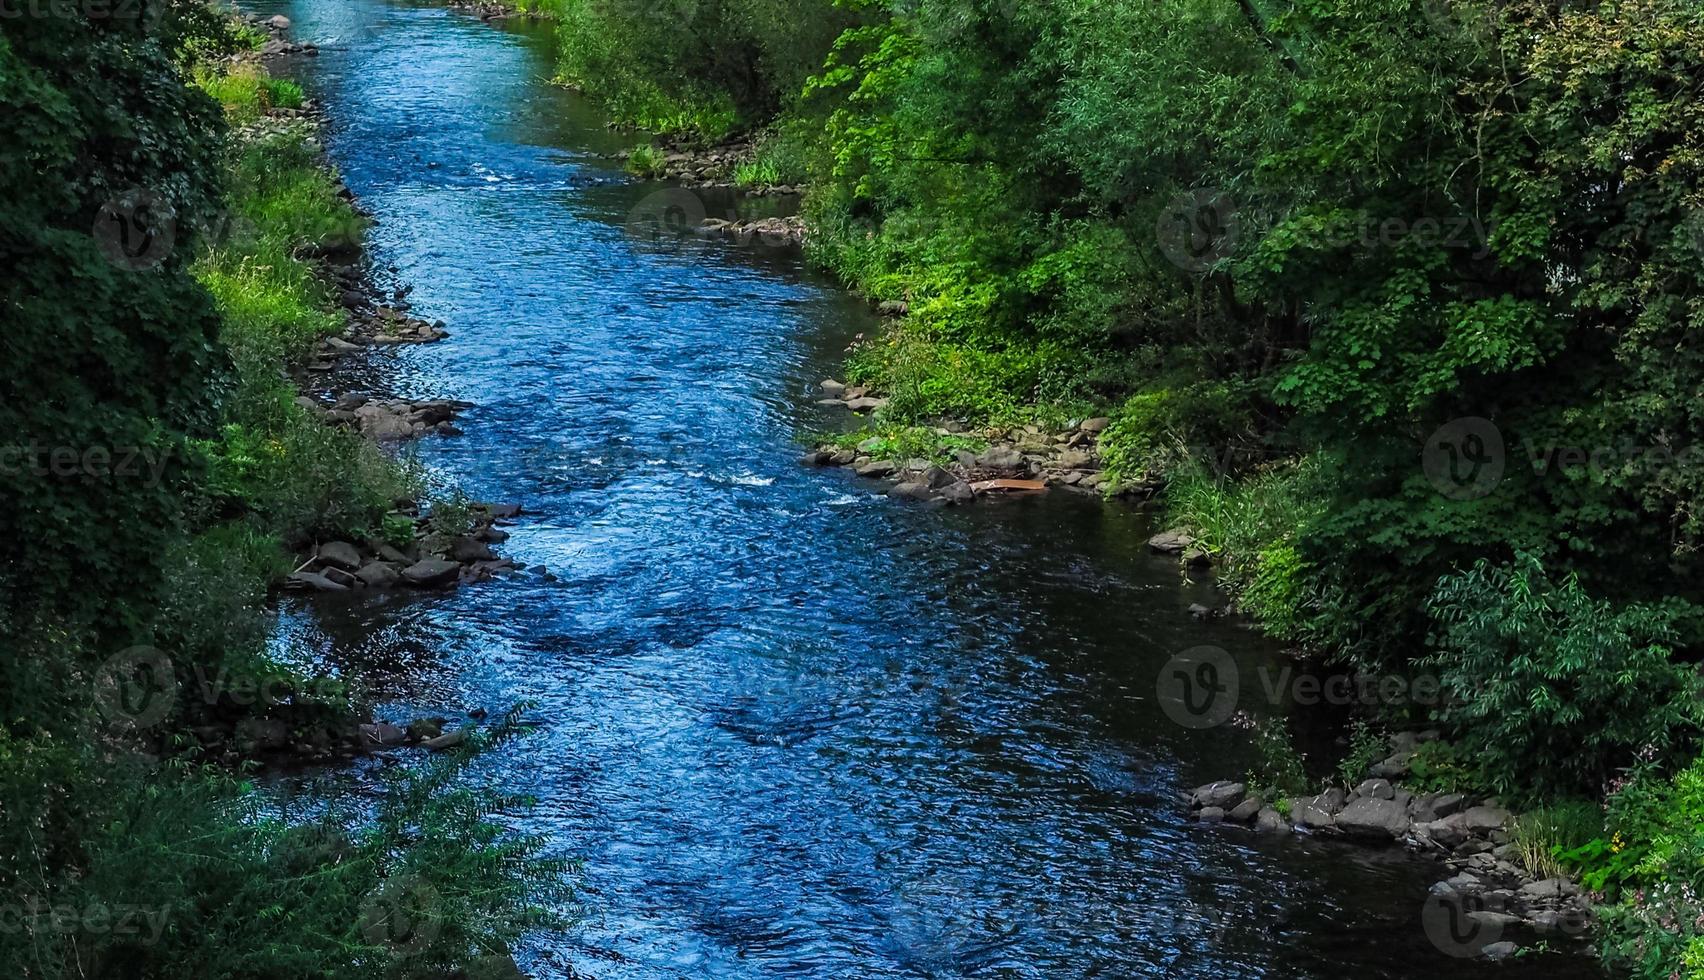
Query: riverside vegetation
pixel 1287 247
pixel 159 474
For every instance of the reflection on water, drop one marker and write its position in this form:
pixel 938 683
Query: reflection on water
pixel 793 728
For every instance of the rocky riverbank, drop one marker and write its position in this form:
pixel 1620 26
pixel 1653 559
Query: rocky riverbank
pixel 1490 892
pixel 1027 459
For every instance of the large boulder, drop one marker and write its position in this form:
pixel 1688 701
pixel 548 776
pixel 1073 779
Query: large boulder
pixel 1484 819
pixel 1372 817
pixel 1172 542
pixel 1221 794
pixel 1000 457
pixel 313 582
pixel 1315 812
pixel 378 575
pixel 432 573
pixel 468 550
pixel 340 554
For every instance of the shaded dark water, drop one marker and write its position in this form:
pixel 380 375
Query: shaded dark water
pixel 794 729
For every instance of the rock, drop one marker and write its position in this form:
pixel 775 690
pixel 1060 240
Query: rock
pixel 832 389
pixel 1331 800
pixel 1211 814
pixel 1500 951
pixel 935 477
pixel 1448 804
pixel 432 573
pixel 1245 811
pixel 875 468
pixel 340 554
pixel 1307 812
pixel 865 404
pixel 378 575
pixel 1220 794
pixel 891 307
pixel 1000 457
pixel 1484 819
pixel 1171 542
pixel 278 22
pixel 1197 557
pixel 425 728
pixel 1493 920
pixel 1075 459
pixel 380 735
pixel 1270 821
pixel 467 550
pixel 1095 425
pixel 448 740
pixel 1550 922
pixel 503 512
pixel 1549 888
pixel 1394 767
pixel 312 581
pixel 957 492
pixel 1376 788
pixel 912 491
pixel 394 555
pixel 1373 817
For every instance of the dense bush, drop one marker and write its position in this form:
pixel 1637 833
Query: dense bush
pixel 1551 689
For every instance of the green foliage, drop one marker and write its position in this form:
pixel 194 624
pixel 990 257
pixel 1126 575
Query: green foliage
pixel 1443 767
pixel 1366 746
pixel 902 442
pixel 1542 835
pixel 645 161
pixel 1553 690
pixel 1278 771
pixel 1653 862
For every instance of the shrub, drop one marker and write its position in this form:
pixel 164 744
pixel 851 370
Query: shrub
pixel 1553 691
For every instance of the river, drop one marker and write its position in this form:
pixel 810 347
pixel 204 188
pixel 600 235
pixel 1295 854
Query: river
pixel 792 728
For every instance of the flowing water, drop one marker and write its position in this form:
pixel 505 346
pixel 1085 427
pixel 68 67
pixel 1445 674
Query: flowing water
pixel 793 728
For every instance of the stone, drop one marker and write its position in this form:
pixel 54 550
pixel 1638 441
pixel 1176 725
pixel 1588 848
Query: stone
pixel 1377 788
pixel 1331 800
pixel 832 389
pixel 1095 425
pixel 1000 457
pixel 1075 459
pixel 503 512
pixel 1493 920
pixel 1549 888
pixel 1270 821
pixel 1211 814
pixel 934 477
pixel 912 491
pixel 1394 767
pixel 1306 812
pixel 432 573
pixel 866 404
pixel 1245 811
pixel 1500 951
pixel 312 581
pixel 1197 556
pixel 278 22
pixel 875 468
pixel 1172 542
pixel 1550 922
pixel 425 728
pixel 1436 806
pixel 448 740
pixel 1220 794
pixel 468 549
pixel 957 492
pixel 380 735
pixel 378 575
pixel 340 554
pixel 1373 817
pixel 1484 819
pixel 1198 611
pixel 394 555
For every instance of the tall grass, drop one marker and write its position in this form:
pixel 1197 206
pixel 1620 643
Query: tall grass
pixel 1541 834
